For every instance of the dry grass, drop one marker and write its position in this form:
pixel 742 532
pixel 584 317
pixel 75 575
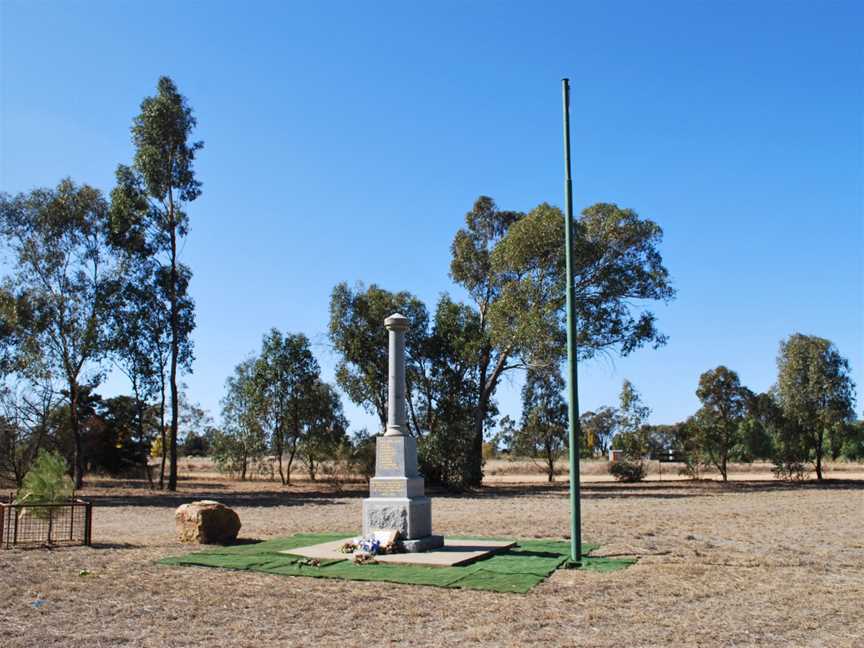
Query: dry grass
pixel 749 563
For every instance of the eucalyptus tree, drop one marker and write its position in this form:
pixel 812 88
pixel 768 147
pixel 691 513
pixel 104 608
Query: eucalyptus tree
pixel 815 392
pixel 543 430
pixel 598 428
pixel 472 268
pixel 358 336
pixel 441 407
pixel 148 211
pixel 62 275
pixel 243 441
pixel 718 422
pixel 326 427
pixel 513 266
pixel 139 340
pixel 286 375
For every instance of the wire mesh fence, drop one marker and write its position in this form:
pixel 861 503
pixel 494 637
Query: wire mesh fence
pixel 69 523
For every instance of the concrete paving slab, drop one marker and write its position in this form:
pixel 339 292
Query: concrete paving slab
pixel 454 553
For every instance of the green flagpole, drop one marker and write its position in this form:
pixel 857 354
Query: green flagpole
pixel 572 379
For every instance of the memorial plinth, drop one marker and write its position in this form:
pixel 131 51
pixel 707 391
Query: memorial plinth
pixel 397 499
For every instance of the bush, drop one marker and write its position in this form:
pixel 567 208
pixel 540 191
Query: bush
pixel 627 471
pixel 47 481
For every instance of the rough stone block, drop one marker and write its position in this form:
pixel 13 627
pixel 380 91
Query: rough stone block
pixel 206 522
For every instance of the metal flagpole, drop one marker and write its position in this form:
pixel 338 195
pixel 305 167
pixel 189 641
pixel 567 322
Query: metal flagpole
pixel 574 432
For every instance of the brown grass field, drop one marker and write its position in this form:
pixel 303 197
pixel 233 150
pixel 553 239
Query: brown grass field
pixel 755 562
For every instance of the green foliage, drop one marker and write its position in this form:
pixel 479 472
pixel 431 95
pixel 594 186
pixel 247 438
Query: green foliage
pixel 242 442
pixel 853 442
pixel 55 299
pixel 325 436
pixel 627 471
pixel 47 481
pixel 616 265
pixel 598 428
pixel 543 430
pixel 289 396
pixel 149 222
pixel 718 421
pixel 363 453
pixel 443 406
pixel 816 395
pixel 358 335
pixel 633 435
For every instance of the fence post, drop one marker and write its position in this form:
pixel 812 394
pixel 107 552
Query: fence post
pixel 15 532
pixel 72 519
pixel 2 520
pixel 88 523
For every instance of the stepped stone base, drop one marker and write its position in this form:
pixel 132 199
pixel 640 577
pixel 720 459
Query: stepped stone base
pixel 423 544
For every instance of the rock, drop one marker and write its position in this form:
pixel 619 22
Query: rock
pixel 207 522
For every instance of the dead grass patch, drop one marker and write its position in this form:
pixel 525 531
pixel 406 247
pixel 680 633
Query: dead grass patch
pixel 749 563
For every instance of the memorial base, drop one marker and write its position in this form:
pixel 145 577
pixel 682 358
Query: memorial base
pixel 411 516
pixel 423 544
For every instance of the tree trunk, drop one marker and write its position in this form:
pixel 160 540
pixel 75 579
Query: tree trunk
pixel 820 438
pixel 280 449
pixel 175 350
pixel 475 474
pixel 140 407
pixel 162 437
pixel 77 467
pixel 290 461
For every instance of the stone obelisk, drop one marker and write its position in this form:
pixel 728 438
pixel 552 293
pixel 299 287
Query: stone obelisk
pixel 396 494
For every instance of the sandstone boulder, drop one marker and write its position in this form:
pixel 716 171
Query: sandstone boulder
pixel 207 522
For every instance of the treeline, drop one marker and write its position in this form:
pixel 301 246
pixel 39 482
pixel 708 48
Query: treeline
pixel 804 419
pixel 511 264
pixel 96 284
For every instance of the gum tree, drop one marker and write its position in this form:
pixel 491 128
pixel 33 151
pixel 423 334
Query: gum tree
pixel 718 422
pixel 62 275
pixel 815 392
pixel 149 220
pixel 513 267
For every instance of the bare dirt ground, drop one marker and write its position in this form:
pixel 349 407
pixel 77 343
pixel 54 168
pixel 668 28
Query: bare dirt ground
pixel 751 563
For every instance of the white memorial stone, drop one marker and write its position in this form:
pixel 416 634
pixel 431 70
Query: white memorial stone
pixel 397 500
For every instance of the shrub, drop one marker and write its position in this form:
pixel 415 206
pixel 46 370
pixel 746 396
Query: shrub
pixel 627 471
pixel 47 481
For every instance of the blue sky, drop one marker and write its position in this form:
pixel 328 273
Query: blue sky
pixel 346 141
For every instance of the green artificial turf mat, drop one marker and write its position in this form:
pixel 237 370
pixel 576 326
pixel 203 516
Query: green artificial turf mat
pixel 513 570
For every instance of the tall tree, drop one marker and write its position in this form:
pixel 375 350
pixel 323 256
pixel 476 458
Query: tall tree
pixel 444 393
pixel 140 346
pixel 815 391
pixel 358 335
pixel 149 219
pixel 718 422
pixel 513 266
pixel 471 267
pixel 61 277
pixel 285 376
